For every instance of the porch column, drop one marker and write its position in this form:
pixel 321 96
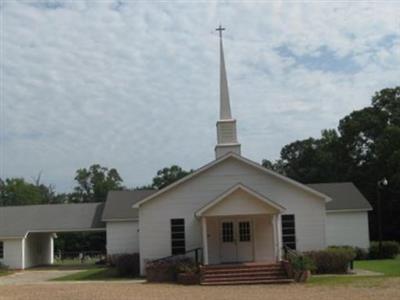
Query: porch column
pixel 205 240
pixel 275 236
pixel 279 228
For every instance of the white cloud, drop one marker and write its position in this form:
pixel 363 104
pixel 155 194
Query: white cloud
pixel 134 85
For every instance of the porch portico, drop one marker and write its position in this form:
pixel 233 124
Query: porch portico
pixel 241 226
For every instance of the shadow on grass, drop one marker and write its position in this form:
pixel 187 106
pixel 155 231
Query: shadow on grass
pixel 94 274
pixel 361 281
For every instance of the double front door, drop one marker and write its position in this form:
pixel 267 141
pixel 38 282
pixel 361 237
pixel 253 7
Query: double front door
pixel 236 240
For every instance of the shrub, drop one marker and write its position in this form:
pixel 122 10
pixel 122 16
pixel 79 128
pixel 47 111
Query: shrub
pixel 3 267
pixel 390 249
pixel 127 265
pixel 332 260
pixel 189 268
pixel 360 253
pixel 166 270
pixel 302 263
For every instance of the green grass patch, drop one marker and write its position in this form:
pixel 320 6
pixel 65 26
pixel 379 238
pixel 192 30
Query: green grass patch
pixel 70 264
pixel 93 274
pixel 5 272
pixel 388 268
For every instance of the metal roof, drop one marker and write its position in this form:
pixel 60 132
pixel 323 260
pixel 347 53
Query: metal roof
pixel 119 204
pixel 345 196
pixel 17 221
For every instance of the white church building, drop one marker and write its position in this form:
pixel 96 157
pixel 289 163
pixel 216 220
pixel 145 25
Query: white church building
pixel 233 209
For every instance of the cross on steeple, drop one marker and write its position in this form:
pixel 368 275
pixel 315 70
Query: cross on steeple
pixel 220 29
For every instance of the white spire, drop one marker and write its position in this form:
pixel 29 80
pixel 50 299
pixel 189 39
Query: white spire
pixel 226 126
pixel 225 107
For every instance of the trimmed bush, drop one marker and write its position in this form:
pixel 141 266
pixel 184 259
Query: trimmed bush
pixel 390 249
pixel 166 270
pixel 332 260
pixel 302 263
pixel 360 253
pixel 127 265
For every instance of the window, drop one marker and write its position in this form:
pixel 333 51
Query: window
pixel 1 250
pixel 289 231
pixel 227 232
pixel 178 236
pixel 244 231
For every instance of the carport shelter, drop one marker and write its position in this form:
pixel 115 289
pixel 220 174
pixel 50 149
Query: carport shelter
pixel 27 232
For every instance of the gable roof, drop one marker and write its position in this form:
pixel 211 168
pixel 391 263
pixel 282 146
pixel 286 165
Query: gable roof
pixel 345 196
pixel 233 189
pixel 239 158
pixel 17 221
pixel 118 205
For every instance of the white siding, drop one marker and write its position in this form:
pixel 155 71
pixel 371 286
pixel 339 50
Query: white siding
pixel 239 203
pixel 213 240
pixel 122 237
pixel 13 254
pixel 263 238
pixel 347 228
pixel 184 200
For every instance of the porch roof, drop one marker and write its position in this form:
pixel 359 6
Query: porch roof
pixel 239 187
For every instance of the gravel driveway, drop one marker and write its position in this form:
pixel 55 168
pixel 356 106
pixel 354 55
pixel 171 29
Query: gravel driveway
pixel 33 277
pixel 389 289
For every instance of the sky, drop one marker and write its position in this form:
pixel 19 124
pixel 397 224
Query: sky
pixel 133 85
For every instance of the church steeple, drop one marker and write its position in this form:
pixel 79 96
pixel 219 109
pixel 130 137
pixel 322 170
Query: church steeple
pixel 226 126
pixel 225 106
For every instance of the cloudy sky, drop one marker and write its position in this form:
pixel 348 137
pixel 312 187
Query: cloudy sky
pixel 134 84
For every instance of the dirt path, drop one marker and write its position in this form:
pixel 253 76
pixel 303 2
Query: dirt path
pixel 388 290
pixel 33 277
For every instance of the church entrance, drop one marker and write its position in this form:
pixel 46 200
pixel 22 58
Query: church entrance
pixel 236 240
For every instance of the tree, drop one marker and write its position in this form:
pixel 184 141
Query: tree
pixel 364 149
pixel 17 191
pixel 166 176
pixel 276 166
pixel 94 184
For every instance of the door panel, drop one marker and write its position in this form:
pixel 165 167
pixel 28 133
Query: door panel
pixel 245 241
pixel 236 240
pixel 227 241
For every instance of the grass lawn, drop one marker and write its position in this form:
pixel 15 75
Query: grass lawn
pixel 93 274
pixel 5 272
pixel 69 264
pixel 388 267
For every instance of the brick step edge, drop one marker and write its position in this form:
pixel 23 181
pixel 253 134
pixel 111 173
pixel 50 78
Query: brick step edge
pixel 239 266
pixel 272 281
pixel 245 278
pixel 232 270
pixel 243 274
